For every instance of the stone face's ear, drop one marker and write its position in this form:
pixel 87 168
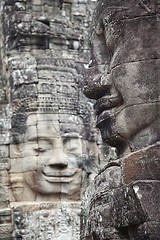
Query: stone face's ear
pixel 15 159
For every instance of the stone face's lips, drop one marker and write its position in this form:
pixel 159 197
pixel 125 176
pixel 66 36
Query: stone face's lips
pixel 59 176
pixel 105 107
pixel 58 179
pixel 107 102
pixel 104 116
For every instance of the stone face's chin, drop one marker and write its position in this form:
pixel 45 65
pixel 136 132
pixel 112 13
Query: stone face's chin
pixel 110 137
pixel 66 183
pixel 118 127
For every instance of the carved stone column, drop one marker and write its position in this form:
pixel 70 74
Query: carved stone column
pixel 48 144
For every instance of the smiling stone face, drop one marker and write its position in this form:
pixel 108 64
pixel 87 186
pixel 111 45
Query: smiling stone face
pixel 54 159
pixel 123 74
pixel 51 159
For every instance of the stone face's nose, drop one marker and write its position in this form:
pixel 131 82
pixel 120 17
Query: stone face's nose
pixel 58 159
pixel 94 87
pixel 96 84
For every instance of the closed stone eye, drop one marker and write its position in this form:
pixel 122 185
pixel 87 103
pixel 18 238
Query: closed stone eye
pixel 40 149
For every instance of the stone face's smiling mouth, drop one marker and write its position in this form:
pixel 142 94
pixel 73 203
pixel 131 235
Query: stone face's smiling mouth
pixel 107 102
pixel 105 107
pixel 59 176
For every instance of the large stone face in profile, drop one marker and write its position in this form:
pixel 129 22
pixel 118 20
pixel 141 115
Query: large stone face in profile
pixel 124 71
pixel 123 77
pixel 48 144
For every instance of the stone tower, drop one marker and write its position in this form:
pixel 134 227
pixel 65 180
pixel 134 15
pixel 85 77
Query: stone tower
pixel 48 148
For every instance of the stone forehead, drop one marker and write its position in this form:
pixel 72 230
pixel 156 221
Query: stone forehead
pixel 60 122
pixel 33 117
pixel 117 3
pixel 133 7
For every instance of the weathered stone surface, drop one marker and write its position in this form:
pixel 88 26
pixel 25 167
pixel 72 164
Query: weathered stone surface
pixel 147 231
pixel 142 165
pixel 5 216
pixel 108 212
pixel 123 78
pixel 5 231
pixel 150 204
pixel 4 198
pixel 112 49
pixel 48 145
pixel 4 178
pixel 51 221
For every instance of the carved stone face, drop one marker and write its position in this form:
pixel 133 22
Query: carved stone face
pixel 52 159
pixel 123 75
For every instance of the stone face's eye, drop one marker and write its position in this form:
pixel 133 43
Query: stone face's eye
pixel 72 145
pixel 43 145
pixel 39 149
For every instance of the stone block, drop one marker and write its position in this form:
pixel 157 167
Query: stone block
pixel 142 165
pixel 21 194
pixel 31 120
pixel 69 1
pixel 47 117
pixel 148 231
pixel 4 151
pixel 3 196
pixel 20 6
pixel 4 178
pixel 126 208
pixel 5 138
pixel 45 74
pixel 4 164
pixel 79 9
pixel 5 216
pixel 109 179
pixel 6 231
pixel 14 151
pixel 16 165
pixel 37 2
pixel 29 148
pixel 29 163
pixel 99 206
pixel 3 193
pixel 31 131
pixel 23 70
pixel 148 194
pixel 37 8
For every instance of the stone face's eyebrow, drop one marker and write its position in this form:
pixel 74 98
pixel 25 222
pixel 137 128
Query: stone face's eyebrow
pixel 36 138
pixel 71 135
pixel 32 138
